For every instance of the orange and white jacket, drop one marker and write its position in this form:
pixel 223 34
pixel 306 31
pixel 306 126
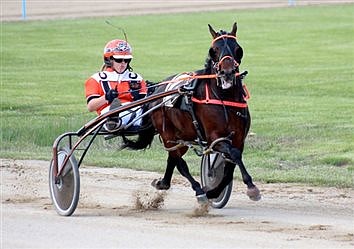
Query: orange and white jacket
pixel 100 83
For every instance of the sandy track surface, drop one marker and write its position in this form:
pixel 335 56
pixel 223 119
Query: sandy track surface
pixel 53 9
pixel 288 216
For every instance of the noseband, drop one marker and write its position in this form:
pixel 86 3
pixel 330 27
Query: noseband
pixel 225 53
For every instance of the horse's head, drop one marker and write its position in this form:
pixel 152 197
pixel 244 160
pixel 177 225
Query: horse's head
pixel 225 55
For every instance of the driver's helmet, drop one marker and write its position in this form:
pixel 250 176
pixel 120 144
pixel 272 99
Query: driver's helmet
pixel 119 49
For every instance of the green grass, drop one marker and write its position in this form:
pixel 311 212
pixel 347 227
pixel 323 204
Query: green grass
pixel 301 82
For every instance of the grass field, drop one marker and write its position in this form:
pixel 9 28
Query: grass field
pixel 301 82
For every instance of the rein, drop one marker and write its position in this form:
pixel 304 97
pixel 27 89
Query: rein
pixel 192 76
pixel 207 99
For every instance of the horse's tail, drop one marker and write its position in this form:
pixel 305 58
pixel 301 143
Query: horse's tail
pixel 144 140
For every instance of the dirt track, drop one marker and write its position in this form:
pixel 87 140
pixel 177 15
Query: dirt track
pixel 288 216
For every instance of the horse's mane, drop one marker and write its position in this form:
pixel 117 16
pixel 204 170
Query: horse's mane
pixel 208 64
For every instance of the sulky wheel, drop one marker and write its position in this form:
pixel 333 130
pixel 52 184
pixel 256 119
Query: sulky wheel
pixel 212 172
pixel 65 190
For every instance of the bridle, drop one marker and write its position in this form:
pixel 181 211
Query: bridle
pixel 225 79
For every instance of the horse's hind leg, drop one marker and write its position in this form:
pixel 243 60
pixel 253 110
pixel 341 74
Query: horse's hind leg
pixel 183 169
pixel 165 182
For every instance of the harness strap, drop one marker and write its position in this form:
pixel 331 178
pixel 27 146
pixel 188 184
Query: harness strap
pixel 208 100
pixel 194 120
pixel 222 37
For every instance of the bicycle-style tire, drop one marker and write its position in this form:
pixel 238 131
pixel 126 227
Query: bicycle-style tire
pixel 212 172
pixel 66 191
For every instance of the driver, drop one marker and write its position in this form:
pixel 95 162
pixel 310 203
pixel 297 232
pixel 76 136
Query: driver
pixel 116 84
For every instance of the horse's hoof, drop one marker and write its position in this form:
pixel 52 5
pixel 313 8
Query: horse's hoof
pixel 254 194
pixel 205 189
pixel 202 199
pixel 160 184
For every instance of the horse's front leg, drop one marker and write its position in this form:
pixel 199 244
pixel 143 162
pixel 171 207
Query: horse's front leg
pixel 252 191
pixel 184 170
pixel 236 156
pixel 227 178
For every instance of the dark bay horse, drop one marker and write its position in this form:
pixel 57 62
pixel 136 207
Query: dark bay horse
pixel 214 114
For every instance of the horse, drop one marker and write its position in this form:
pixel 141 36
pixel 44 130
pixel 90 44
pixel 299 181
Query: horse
pixel 214 114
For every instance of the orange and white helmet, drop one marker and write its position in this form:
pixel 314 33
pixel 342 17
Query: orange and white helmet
pixel 119 49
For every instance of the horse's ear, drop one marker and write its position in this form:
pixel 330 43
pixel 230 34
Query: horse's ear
pixel 212 31
pixel 234 29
